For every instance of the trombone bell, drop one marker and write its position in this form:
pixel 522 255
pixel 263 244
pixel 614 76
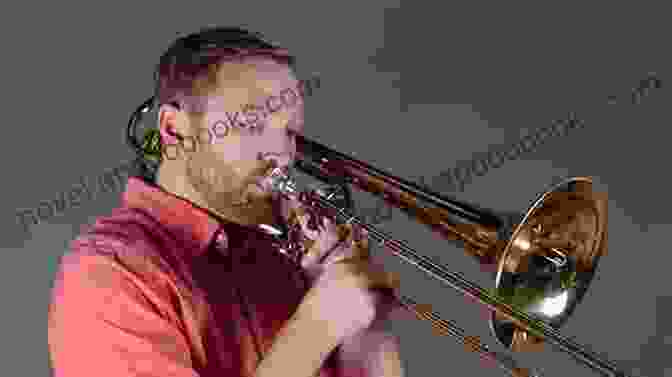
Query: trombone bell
pixel 550 259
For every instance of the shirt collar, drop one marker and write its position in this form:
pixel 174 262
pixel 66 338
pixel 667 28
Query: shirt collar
pixel 178 215
pixel 189 223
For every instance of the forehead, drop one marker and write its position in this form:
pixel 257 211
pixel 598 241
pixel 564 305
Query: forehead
pixel 250 81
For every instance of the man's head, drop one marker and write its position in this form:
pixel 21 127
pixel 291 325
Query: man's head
pixel 238 98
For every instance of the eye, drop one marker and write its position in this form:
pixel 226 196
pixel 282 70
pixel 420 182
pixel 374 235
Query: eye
pixel 291 134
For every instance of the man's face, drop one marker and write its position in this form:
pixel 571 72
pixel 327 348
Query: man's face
pixel 225 169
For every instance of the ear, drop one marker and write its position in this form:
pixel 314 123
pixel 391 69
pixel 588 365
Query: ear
pixel 172 124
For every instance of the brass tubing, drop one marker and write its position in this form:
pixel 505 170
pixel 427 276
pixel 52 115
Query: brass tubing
pixel 452 219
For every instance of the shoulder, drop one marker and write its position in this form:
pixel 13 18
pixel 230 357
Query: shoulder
pixel 127 246
pixel 125 235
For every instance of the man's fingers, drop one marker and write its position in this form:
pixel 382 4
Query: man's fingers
pixel 311 256
pixel 364 239
pixel 333 243
pixel 309 233
pixel 386 280
pixel 323 244
pixel 376 276
pixel 348 249
pixel 339 254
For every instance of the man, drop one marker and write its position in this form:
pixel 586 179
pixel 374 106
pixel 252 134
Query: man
pixel 180 281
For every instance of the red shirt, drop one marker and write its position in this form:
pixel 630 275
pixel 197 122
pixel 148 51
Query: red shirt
pixel 159 288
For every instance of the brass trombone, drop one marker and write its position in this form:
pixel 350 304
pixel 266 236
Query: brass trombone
pixel 545 259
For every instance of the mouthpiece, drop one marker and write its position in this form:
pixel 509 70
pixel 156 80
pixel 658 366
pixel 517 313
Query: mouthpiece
pixel 280 181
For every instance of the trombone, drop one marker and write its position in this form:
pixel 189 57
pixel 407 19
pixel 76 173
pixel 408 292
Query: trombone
pixel 545 259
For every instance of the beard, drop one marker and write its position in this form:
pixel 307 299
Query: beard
pixel 227 192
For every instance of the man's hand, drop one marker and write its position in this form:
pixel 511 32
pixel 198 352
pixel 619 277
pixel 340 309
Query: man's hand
pixel 373 351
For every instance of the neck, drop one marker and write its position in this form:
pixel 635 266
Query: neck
pixel 170 180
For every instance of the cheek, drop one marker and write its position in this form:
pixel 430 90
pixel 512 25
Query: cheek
pixel 273 138
pixel 242 148
pixel 267 143
pixel 234 160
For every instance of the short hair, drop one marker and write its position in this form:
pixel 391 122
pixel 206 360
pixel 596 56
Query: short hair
pixel 197 57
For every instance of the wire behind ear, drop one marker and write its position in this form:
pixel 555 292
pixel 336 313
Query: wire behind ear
pixel 136 117
pixel 148 151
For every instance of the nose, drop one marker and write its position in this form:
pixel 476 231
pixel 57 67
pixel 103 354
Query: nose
pixel 279 159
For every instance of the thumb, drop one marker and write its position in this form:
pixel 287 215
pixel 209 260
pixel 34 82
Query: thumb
pixel 381 279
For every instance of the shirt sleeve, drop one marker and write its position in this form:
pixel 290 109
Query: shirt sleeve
pixel 102 323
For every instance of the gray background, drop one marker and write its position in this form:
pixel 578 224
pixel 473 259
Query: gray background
pixel 411 90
